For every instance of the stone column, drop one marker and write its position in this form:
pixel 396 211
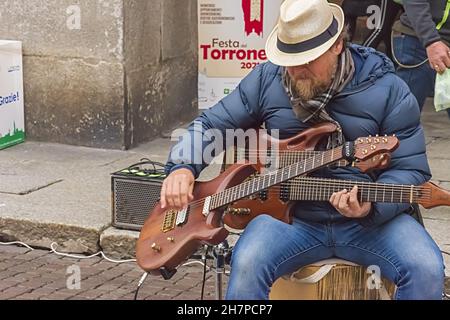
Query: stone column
pixel 104 73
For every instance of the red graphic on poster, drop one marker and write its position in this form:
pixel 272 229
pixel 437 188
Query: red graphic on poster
pixel 253 16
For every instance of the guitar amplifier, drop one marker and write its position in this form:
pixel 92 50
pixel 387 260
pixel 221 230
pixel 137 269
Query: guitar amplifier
pixel 135 191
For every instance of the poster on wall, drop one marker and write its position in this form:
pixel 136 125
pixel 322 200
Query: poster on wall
pixel 232 37
pixel 12 124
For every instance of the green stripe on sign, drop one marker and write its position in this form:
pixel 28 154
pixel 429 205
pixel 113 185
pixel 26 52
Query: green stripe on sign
pixel 8 140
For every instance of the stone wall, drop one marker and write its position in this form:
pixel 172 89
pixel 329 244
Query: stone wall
pixel 161 67
pixel 104 73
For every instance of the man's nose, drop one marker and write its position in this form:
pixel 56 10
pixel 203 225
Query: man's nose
pixel 297 70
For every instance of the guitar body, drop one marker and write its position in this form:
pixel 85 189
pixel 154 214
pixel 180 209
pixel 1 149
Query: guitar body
pixel 157 248
pixel 272 205
pixel 304 141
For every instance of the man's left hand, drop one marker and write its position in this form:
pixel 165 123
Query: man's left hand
pixel 348 205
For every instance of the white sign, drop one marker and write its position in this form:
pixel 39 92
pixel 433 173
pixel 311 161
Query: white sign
pixel 12 124
pixel 232 38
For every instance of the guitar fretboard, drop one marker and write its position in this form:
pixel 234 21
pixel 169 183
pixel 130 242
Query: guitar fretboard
pixel 316 189
pixel 280 158
pixel 276 177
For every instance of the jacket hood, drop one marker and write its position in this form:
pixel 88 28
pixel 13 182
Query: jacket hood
pixel 370 65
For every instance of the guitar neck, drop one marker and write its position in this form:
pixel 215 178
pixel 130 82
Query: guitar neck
pixel 284 157
pixel 317 189
pixel 260 183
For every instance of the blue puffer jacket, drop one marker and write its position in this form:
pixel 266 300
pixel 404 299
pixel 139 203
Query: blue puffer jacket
pixel 375 102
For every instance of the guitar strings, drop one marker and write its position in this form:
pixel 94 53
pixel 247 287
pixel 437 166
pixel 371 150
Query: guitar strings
pixel 304 163
pixel 313 189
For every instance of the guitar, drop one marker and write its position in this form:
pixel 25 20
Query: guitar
pixel 276 153
pixel 170 237
pixel 277 199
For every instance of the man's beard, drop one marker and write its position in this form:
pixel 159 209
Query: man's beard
pixel 307 89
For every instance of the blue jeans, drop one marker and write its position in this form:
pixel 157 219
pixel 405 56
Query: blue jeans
pixel 421 80
pixel 401 248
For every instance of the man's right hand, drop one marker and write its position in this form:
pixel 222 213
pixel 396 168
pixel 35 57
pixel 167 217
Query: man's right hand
pixel 176 191
pixel 439 56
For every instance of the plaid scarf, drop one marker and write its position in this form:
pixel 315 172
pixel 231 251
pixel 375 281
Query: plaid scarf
pixel 313 111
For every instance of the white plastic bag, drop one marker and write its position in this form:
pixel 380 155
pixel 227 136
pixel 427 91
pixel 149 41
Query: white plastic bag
pixel 442 91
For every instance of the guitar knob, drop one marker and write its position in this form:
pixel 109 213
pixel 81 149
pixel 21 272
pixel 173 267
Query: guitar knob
pixel 243 211
pixel 156 248
pixel 171 239
pixel 230 211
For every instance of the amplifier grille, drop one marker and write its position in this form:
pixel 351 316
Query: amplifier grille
pixel 133 201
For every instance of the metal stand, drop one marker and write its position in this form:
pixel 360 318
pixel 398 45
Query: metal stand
pixel 219 253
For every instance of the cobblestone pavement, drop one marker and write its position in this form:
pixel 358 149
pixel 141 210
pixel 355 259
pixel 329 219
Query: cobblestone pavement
pixel 42 275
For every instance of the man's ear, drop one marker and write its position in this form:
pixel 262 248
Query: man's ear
pixel 338 47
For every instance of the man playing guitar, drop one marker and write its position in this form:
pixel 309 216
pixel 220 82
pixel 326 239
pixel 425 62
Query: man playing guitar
pixel 314 76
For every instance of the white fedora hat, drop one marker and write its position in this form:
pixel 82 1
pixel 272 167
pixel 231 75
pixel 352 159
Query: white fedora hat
pixel 306 29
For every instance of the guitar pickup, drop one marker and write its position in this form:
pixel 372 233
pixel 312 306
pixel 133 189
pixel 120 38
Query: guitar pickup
pixel 182 217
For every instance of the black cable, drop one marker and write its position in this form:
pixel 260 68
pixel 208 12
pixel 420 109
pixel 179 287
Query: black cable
pixel 141 282
pixel 136 293
pixel 204 257
pixel 157 167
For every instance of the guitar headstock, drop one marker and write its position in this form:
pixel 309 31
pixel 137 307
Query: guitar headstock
pixel 379 161
pixel 367 147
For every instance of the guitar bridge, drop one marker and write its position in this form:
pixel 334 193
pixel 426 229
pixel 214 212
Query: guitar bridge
pixel 169 221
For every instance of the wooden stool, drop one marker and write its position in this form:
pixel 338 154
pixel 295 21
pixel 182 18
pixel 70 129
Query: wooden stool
pixel 332 280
